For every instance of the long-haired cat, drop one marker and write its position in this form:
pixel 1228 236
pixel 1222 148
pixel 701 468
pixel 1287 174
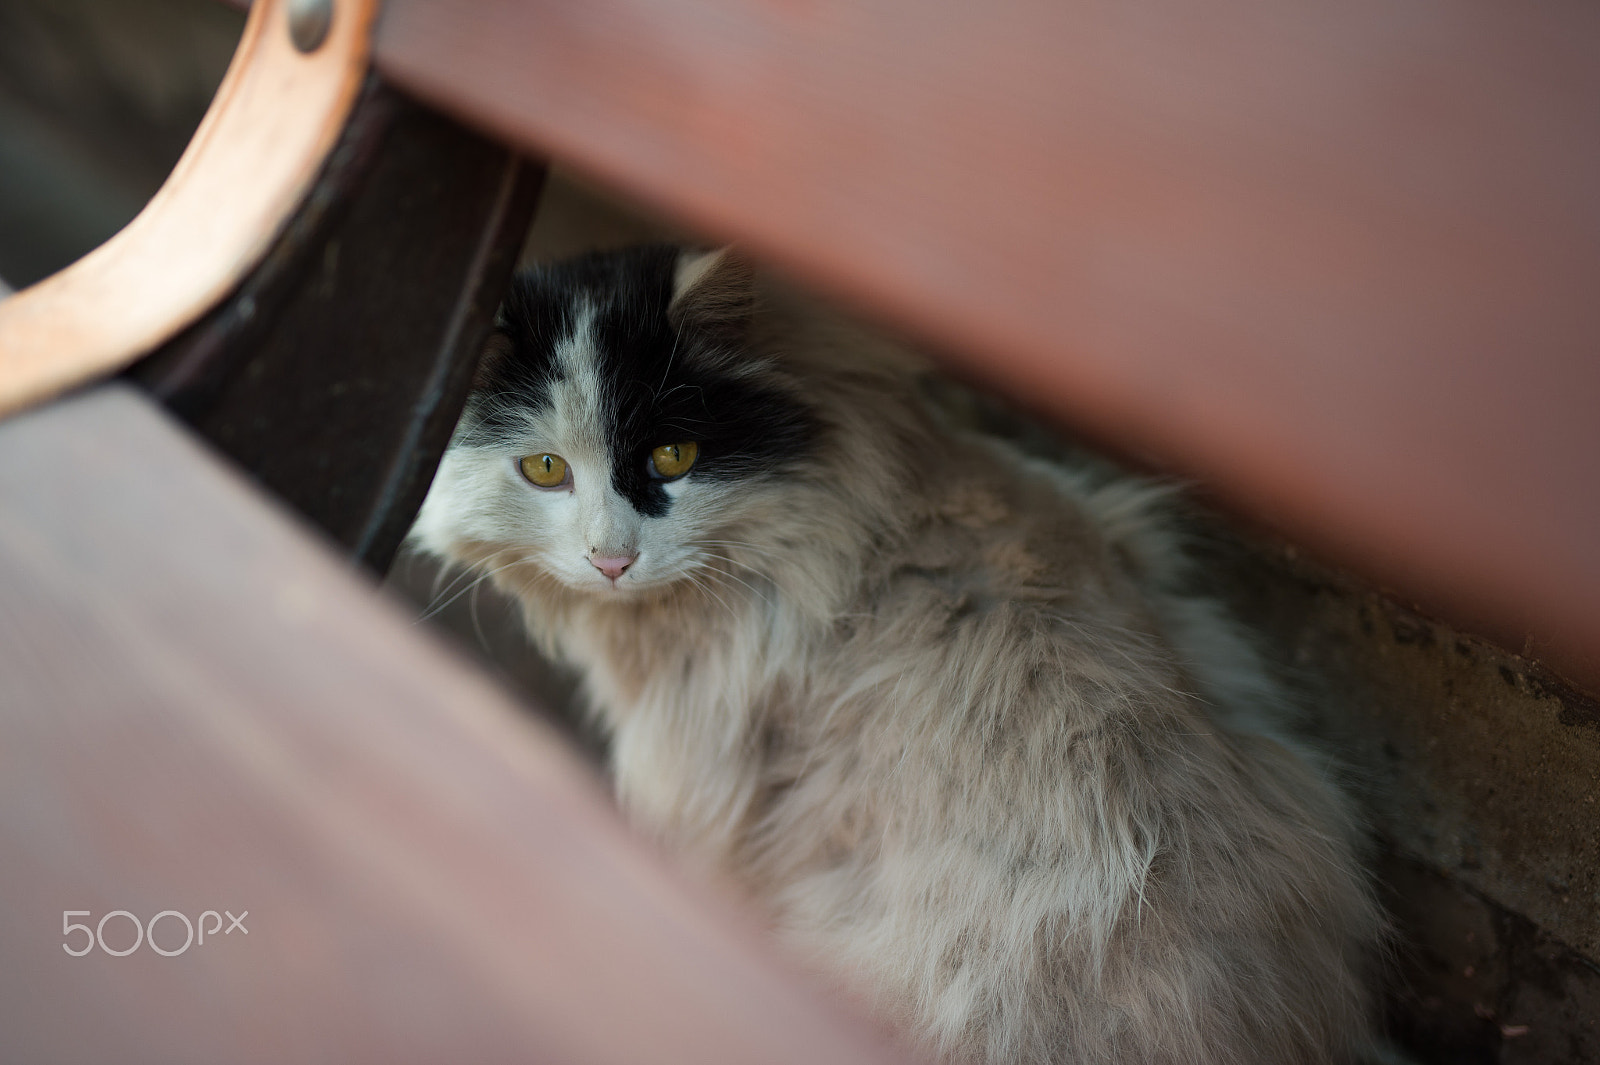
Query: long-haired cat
pixel 945 712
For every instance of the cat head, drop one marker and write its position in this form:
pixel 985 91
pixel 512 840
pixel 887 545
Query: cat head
pixel 620 431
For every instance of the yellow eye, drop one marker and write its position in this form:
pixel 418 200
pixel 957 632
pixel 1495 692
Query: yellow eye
pixel 546 471
pixel 671 461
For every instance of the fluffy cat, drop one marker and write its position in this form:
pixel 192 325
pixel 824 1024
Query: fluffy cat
pixel 945 712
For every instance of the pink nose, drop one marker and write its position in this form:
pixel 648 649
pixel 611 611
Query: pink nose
pixel 612 566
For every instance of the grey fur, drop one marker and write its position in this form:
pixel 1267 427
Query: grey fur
pixel 946 714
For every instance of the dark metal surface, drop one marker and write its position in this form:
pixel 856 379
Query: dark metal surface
pixel 308 23
pixel 335 373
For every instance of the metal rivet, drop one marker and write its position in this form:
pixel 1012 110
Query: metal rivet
pixel 308 23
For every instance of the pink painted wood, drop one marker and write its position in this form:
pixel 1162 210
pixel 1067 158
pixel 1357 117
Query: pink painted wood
pixel 1340 263
pixel 203 708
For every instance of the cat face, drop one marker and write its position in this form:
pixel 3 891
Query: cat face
pixel 619 434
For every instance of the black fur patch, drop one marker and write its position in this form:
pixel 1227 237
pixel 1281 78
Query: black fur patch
pixel 662 385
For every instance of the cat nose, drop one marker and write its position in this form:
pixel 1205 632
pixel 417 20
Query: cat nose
pixel 611 565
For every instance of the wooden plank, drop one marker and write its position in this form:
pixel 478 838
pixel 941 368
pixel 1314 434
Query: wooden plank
pixel 202 709
pixel 1339 262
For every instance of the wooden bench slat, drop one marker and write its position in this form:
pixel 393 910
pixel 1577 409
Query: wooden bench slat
pixel 1338 262
pixel 201 709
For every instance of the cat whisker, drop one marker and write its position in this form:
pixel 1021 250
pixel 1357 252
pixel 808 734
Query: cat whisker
pixel 753 589
pixel 434 610
pixel 679 388
pixel 694 579
pixel 758 552
pixel 756 571
pixel 449 570
pixel 755 550
pixel 676 336
pixel 456 575
pixel 720 557
pixel 472 611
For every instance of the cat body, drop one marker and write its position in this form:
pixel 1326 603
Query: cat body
pixel 943 711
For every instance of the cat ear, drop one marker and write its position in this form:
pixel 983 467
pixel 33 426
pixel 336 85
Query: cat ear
pixel 712 289
pixel 496 350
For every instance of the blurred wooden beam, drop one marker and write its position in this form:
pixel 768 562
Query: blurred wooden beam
pixel 203 709
pixel 1339 262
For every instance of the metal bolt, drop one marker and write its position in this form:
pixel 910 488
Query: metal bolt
pixel 308 23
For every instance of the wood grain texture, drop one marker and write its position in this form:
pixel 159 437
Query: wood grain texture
pixel 203 709
pixel 1338 262
pixel 275 118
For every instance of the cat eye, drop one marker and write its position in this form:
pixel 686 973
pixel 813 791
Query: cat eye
pixel 544 471
pixel 671 461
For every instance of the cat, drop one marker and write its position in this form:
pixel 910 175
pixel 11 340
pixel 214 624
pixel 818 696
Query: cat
pixel 946 712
